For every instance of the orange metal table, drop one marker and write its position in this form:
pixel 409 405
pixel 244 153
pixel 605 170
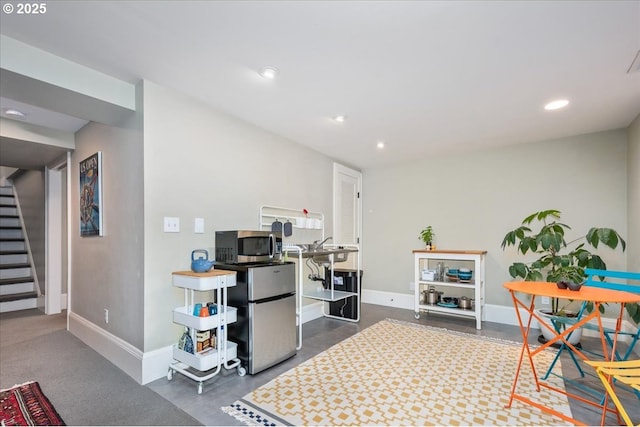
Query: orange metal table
pixel 587 293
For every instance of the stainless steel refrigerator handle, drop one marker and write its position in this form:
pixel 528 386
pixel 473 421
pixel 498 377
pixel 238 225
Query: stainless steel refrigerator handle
pixel 272 246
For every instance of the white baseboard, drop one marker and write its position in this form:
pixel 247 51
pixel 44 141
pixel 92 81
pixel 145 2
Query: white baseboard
pixel 155 363
pixel 311 311
pixel 388 299
pixel 114 349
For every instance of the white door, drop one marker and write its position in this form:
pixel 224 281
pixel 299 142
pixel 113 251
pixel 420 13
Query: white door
pixel 347 210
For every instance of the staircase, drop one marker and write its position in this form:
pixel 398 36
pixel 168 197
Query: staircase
pixel 18 288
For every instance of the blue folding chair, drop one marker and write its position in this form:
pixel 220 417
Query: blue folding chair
pixel 606 279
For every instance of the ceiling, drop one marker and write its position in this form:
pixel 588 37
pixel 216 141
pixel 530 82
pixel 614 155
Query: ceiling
pixel 425 77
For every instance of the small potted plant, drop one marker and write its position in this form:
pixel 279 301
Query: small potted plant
pixel 556 262
pixel 426 235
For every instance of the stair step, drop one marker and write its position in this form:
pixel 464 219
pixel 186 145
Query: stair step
pixel 17 288
pixel 14 252
pixel 15 265
pixel 11 233
pixel 17 297
pixel 18 245
pixel 9 216
pixel 14 280
pixel 13 239
pixel 10 227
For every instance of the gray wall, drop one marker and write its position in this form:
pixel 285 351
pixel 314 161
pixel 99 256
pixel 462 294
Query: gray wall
pixel 199 162
pixel 107 272
pixel 472 199
pixel 31 194
pixel 633 196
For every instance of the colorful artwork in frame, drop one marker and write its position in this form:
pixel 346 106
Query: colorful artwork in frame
pixel 91 195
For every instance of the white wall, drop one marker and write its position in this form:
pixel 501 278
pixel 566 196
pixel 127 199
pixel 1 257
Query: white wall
pixel 633 196
pixel 199 162
pixel 473 199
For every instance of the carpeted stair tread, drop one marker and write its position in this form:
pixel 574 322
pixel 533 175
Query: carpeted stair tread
pixel 13 239
pixel 14 280
pixel 16 252
pixel 10 227
pixel 16 265
pixel 17 297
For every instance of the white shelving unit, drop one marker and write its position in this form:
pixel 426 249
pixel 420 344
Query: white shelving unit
pixel 203 366
pixel 475 260
pixel 311 231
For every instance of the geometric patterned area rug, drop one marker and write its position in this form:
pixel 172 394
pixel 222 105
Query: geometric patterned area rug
pixel 26 405
pixel 400 373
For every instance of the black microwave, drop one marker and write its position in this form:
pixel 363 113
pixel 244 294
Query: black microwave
pixel 245 246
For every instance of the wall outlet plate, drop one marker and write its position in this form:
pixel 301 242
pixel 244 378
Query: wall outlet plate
pixel 171 224
pixel 198 226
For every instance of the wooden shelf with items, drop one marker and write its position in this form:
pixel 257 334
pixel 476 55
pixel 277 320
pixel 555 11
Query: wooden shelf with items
pixel 211 350
pixel 472 291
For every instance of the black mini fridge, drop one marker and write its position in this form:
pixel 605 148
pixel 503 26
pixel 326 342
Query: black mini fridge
pixel 343 280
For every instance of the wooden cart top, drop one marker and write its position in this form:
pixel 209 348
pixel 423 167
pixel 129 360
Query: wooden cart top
pixel 448 251
pixel 210 273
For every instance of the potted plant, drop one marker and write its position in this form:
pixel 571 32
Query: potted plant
pixel 426 235
pixel 557 261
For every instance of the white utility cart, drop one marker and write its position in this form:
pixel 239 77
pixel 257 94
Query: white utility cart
pixel 204 365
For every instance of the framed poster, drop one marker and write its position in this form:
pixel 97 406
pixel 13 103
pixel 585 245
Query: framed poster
pixel 91 195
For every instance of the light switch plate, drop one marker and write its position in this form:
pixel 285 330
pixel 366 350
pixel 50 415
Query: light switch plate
pixel 171 224
pixel 199 225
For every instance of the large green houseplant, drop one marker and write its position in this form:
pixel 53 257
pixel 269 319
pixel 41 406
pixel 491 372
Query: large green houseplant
pixel 558 260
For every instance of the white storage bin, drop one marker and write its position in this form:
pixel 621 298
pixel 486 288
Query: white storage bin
pixel 428 274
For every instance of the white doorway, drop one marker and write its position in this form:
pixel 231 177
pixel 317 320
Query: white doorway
pixel 347 207
pixel 56 238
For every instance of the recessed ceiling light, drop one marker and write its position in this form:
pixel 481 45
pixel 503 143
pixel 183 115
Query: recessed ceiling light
pixel 13 113
pixel 340 119
pixel 269 72
pixel 380 144
pixel 557 104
